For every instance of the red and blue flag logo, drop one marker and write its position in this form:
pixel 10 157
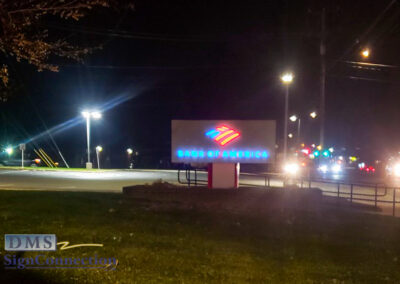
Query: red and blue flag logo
pixel 223 135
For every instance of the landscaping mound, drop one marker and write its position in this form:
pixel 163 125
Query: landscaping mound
pixel 250 200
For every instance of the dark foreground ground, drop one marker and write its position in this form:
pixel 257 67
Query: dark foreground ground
pixel 164 245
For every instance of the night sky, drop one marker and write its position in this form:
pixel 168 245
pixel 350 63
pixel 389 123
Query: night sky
pixel 212 60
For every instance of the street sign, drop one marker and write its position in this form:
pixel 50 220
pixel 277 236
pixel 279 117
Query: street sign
pixel 22 147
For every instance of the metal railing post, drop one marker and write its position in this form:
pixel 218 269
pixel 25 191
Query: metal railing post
pixel 394 202
pixel 338 190
pixel 351 194
pixel 195 177
pixel 265 181
pixel 179 175
pixel 269 181
pixel 376 196
pixel 309 183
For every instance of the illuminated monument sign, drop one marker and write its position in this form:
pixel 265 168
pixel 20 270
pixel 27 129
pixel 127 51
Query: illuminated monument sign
pixel 225 141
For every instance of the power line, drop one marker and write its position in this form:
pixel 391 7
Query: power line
pixel 178 38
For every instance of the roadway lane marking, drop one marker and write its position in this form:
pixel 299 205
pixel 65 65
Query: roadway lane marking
pixel 7 184
pixel 3 172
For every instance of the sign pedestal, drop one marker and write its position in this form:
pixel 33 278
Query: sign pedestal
pixel 223 175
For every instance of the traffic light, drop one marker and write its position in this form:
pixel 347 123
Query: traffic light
pixel 326 153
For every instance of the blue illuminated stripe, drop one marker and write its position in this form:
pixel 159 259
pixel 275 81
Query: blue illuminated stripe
pixel 213 133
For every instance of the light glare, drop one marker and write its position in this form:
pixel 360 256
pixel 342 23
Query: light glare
pixel 313 114
pixel 85 114
pixel 287 78
pixel 9 150
pixel 291 168
pixel 365 53
pixel 96 115
pixel 396 170
pixel 323 168
pixel 336 169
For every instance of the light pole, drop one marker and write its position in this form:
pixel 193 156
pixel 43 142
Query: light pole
pixel 295 118
pixel 88 115
pixel 129 151
pixel 287 79
pixel 98 150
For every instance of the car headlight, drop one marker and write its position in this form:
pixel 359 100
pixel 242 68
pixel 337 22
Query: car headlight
pixel 323 168
pixel 396 170
pixel 291 168
pixel 336 169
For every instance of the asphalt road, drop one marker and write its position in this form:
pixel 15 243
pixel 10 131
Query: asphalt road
pixel 115 180
pixel 105 181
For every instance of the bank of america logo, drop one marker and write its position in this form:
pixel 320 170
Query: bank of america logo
pixel 223 134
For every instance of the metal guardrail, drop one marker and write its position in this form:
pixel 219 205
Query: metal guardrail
pixel 379 190
pixel 188 177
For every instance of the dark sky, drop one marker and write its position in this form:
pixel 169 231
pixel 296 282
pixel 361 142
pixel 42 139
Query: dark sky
pixel 211 60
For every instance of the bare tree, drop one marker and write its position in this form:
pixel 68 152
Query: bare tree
pixel 22 36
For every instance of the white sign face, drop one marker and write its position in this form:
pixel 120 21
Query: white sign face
pixel 223 141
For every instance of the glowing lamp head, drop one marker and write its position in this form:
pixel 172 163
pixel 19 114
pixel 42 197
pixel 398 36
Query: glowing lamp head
pixel 99 149
pixel 85 114
pixel 293 118
pixel 365 52
pixel 9 150
pixel 129 151
pixel 290 135
pixel 93 114
pixel 291 168
pixel 96 115
pixel 313 114
pixel 287 78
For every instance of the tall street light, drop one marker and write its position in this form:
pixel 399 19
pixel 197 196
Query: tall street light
pixel 88 115
pixel 287 79
pixel 295 118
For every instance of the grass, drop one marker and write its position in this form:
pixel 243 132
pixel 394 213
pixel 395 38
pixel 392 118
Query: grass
pixel 172 246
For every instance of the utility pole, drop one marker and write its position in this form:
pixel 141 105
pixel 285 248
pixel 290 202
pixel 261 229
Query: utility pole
pixel 285 128
pixel 323 80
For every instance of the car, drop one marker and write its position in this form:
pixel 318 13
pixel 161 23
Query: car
pixel 17 163
pixel 363 167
